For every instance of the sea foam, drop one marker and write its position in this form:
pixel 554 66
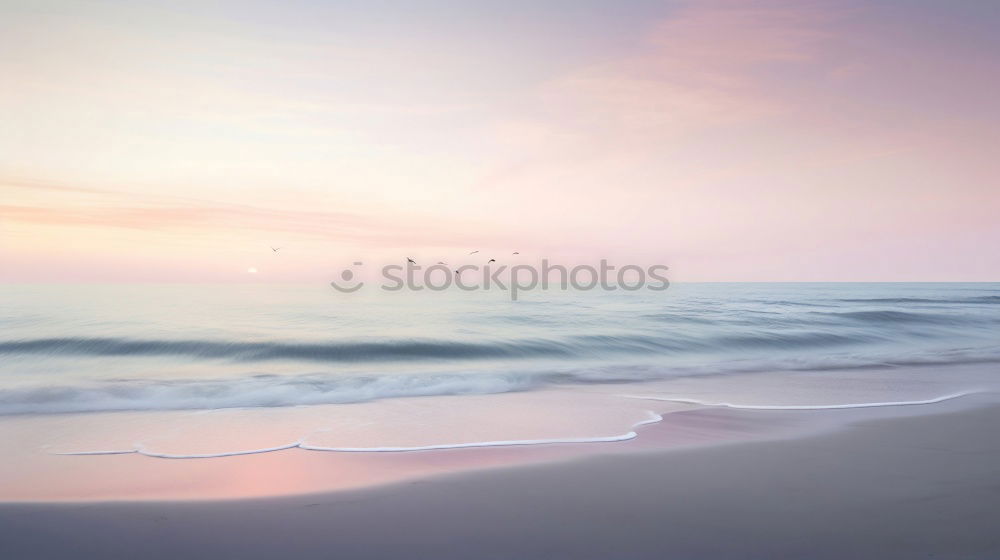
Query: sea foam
pixel 142 449
pixel 933 400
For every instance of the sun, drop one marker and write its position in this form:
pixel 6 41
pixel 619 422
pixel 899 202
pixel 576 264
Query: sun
pixel 251 270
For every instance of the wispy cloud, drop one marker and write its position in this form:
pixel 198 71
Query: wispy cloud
pixel 730 133
pixel 100 208
pixel 698 69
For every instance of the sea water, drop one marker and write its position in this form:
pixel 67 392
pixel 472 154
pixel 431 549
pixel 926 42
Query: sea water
pixel 198 371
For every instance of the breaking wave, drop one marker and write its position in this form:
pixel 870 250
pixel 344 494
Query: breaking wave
pixel 333 388
pixel 112 357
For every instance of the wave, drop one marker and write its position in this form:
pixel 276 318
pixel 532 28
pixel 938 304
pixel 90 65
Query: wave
pixel 813 339
pixel 339 351
pixel 678 318
pixel 333 388
pixel 893 317
pixel 787 302
pixel 934 400
pixel 257 391
pixel 346 351
pixel 984 300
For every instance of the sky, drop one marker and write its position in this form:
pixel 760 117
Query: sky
pixel 730 140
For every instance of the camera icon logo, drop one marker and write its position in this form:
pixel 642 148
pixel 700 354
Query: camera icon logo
pixel 347 277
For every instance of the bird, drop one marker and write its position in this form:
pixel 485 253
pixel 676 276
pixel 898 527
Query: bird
pixel 275 249
pixel 457 273
pixel 516 253
pixel 441 262
pixel 474 252
pixel 491 260
pixel 411 261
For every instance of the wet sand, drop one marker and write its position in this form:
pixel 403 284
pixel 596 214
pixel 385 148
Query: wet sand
pixel 907 487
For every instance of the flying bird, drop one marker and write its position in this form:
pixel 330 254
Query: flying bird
pixel 411 261
pixel 474 252
pixel 440 262
pixel 491 260
pixel 275 249
pixel 516 253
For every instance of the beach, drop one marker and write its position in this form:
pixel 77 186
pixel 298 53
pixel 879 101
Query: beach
pixel 920 485
pixel 672 280
pixel 727 421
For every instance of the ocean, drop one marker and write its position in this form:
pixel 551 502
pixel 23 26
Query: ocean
pixel 324 370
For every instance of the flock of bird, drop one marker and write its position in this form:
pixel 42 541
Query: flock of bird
pixel 411 261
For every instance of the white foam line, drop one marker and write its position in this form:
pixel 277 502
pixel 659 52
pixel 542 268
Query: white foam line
pixel 140 451
pixel 502 443
pixel 109 452
pixel 803 406
pixel 214 455
pixel 653 418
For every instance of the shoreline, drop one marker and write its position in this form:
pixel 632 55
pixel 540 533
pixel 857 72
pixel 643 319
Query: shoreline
pixel 294 470
pixel 886 487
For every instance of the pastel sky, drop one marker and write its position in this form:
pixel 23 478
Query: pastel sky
pixel 730 140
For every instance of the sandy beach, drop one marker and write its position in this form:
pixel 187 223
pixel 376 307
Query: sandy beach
pixel 917 486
